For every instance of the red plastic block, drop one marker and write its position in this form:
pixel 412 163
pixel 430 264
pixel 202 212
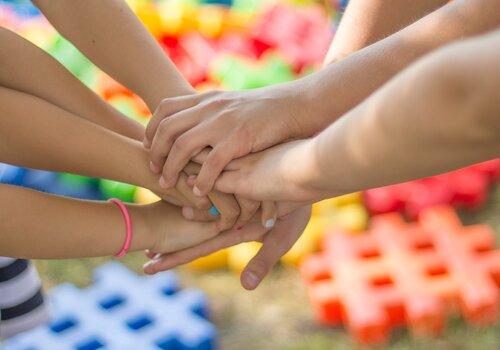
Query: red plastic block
pixel 402 273
pixel 465 188
pixel 303 36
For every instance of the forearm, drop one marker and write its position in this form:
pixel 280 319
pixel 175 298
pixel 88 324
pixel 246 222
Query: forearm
pixel 116 41
pixel 432 118
pixel 38 225
pixel 36 134
pixel 29 69
pixel 343 85
pixel 368 21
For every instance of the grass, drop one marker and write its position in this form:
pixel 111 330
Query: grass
pixel 277 315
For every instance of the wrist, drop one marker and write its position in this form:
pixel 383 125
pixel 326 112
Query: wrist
pixel 309 106
pixel 307 178
pixel 143 233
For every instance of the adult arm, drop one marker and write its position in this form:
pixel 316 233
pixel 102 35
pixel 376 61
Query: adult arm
pixel 440 114
pixel 237 123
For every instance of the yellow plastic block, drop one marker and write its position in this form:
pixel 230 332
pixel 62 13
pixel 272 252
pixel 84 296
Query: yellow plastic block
pixel 350 198
pixel 240 255
pixel 211 20
pixel 177 17
pixel 149 15
pixel 144 196
pixel 238 21
pixel 217 260
pixel 352 217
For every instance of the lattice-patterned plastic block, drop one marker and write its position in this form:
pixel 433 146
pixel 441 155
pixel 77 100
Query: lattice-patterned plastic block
pixel 124 311
pixel 402 273
pixel 466 188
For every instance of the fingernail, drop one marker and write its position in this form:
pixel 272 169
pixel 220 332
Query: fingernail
pixel 270 223
pixel 251 280
pixel 149 264
pixel 154 168
pixel 145 142
pixel 191 179
pixel 197 191
pixel 188 212
pixel 214 211
pixel 163 182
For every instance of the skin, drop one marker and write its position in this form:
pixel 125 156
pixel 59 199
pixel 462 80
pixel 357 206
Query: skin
pixel 78 114
pixel 234 124
pixel 112 30
pixel 366 22
pixel 455 89
pixel 61 234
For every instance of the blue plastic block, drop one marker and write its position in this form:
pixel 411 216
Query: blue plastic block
pixel 12 175
pixel 218 2
pixel 124 311
pixel 23 8
pixel 46 181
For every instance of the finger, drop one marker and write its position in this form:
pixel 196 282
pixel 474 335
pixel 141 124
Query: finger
pixel 247 210
pixel 184 147
pixel 193 233
pixel 213 165
pixel 192 169
pixel 269 214
pixel 150 254
pixel 251 232
pixel 174 197
pixel 200 157
pixel 194 214
pixel 187 191
pixel 228 207
pixel 168 130
pixel 167 107
pixel 229 182
pixel 276 243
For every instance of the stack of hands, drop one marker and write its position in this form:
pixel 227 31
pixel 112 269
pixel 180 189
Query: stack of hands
pixel 223 148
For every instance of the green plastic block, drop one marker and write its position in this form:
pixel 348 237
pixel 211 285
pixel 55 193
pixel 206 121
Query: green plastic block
pixel 78 180
pixel 114 189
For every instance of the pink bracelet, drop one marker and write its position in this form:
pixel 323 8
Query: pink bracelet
pixel 128 226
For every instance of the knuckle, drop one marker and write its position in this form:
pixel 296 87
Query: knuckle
pixel 180 144
pixel 202 204
pixel 216 160
pixel 216 103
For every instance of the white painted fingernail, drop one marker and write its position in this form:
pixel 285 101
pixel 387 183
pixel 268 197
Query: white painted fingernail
pixel 163 183
pixel 197 191
pixel 270 223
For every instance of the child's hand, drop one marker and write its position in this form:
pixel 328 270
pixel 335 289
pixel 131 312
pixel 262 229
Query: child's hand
pixel 171 231
pixel 275 244
pixel 232 123
pixel 235 211
pixel 282 173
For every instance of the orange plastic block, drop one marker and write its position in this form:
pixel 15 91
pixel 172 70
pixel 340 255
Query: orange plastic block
pixel 402 273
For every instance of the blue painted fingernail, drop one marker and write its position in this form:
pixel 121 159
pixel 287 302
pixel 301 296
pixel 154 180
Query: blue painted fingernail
pixel 214 211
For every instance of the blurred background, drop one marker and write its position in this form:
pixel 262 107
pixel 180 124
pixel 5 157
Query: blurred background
pixel 245 44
